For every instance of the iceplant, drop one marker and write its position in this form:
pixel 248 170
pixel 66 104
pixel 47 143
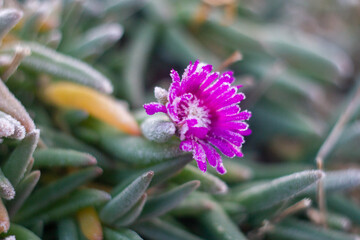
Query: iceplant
pixel 203 106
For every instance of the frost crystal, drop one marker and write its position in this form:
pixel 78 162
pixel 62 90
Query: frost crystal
pixel 10 127
pixel 204 108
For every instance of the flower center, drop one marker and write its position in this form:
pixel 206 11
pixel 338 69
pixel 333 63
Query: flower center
pixel 192 108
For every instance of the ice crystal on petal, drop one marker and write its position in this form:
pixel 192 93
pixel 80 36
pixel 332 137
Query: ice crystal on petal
pixel 203 105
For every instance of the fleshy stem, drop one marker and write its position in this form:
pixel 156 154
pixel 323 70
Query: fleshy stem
pixel 236 56
pixel 20 54
pixel 326 147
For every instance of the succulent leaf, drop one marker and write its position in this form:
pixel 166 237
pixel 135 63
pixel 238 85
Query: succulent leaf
pixel 126 199
pixel 159 205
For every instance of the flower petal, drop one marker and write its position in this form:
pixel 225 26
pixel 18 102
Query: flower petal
pixel 212 156
pixel 199 132
pixel 246 132
pixel 209 79
pixel 220 168
pixel 154 107
pixel 174 76
pixel 241 116
pixel 223 146
pixel 200 156
pixel 186 145
pixel 174 91
pixel 233 137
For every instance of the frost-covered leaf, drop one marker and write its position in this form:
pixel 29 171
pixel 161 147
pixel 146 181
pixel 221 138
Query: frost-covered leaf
pixel 96 40
pixel 209 182
pixel 138 150
pixel 10 105
pixel 59 139
pixel 265 195
pixel 162 203
pixel 47 60
pixel 50 193
pixel 10 127
pixel 19 160
pixel 300 230
pixel 341 180
pixel 127 198
pixel 132 214
pixel 79 199
pixel 7 191
pixel 157 229
pixel 55 157
pixel 217 225
pixel 139 56
pixel 23 190
pixel 8 19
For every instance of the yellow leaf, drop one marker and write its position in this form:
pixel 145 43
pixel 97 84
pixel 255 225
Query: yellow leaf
pixel 90 223
pixel 98 105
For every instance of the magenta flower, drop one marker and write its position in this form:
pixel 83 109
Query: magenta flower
pixel 204 108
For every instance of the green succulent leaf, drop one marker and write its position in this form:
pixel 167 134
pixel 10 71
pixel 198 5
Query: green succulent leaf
pixel 77 200
pixel 160 204
pixel 341 180
pixel 121 234
pixel 67 229
pixel 139 52
pixel 49 194
pixel 47 60
pixel 265 195
pixel 132 214
pixel 96 40
pixel 158 229
pixel 57 139
pixel 218 225
pixel 138 150
pixel 162 172
pixel 300 230
pixel 23 190
pixel 209 182
pixel 123 201
pixel 19 160
pixel 21 233
pixel 51 157
pixel 196 203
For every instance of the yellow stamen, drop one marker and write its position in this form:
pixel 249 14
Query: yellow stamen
pixel 90 223
pixel 98 105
